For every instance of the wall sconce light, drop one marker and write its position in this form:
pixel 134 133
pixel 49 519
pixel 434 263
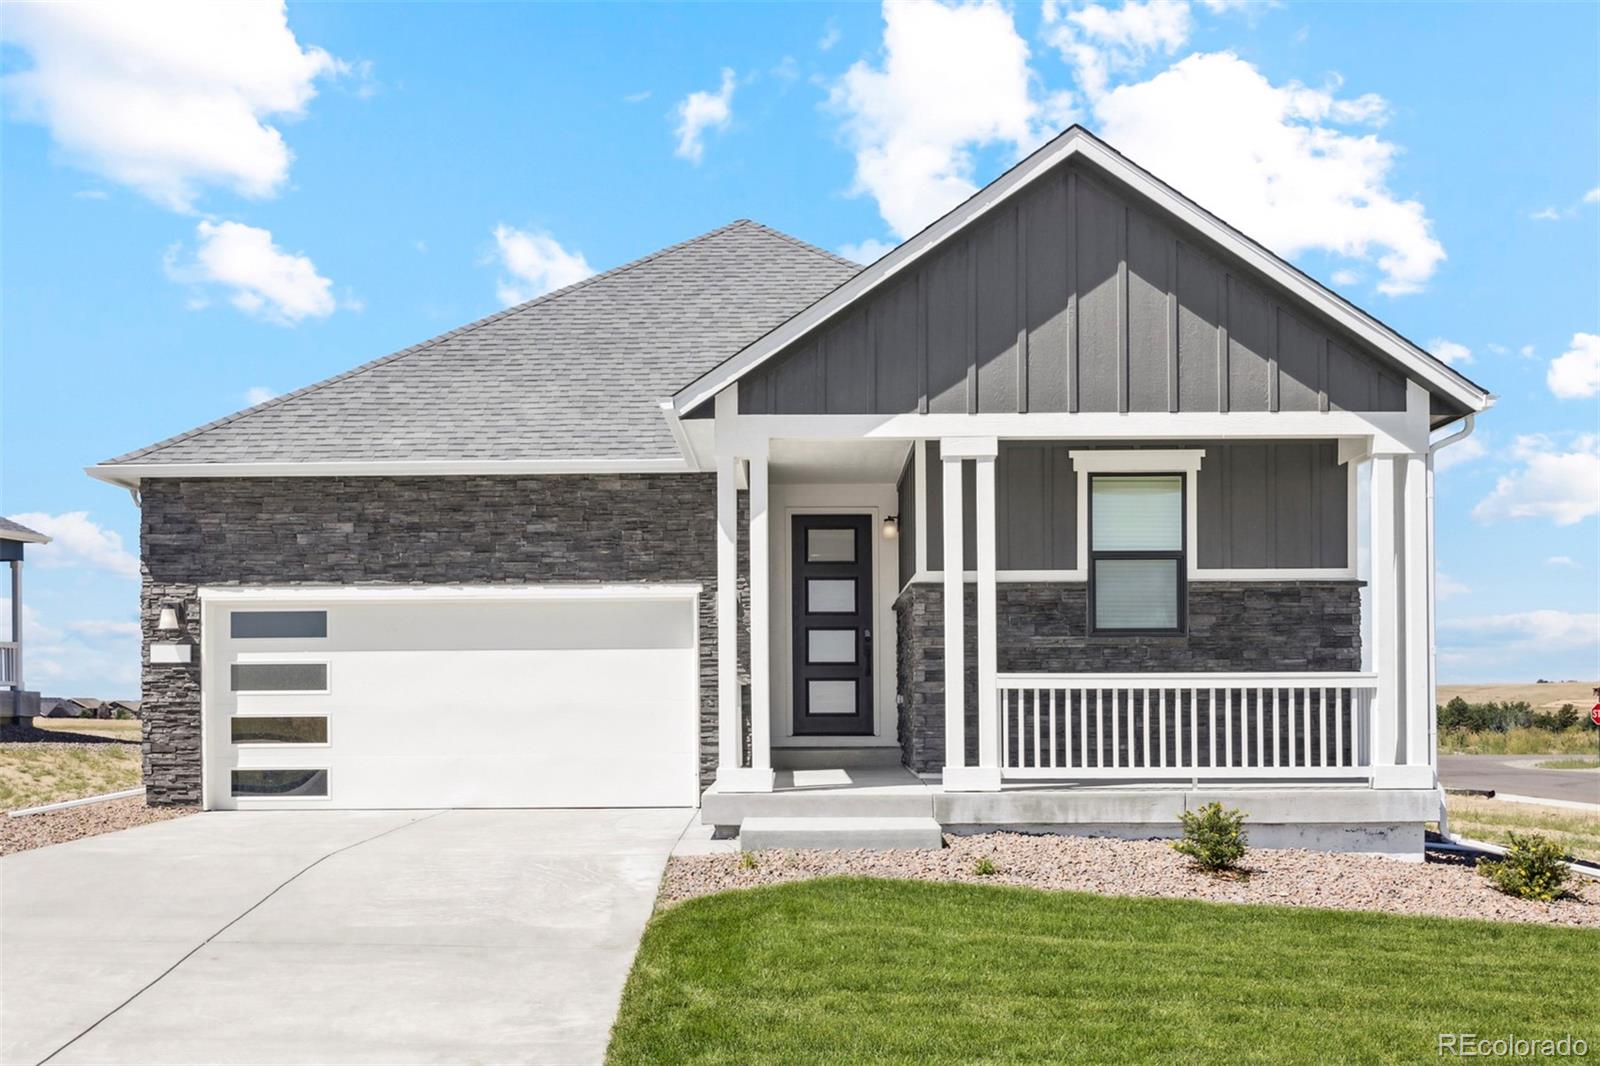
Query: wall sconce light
pixel 891 527
pixel 169 621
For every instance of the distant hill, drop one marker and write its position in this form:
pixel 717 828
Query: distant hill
pixel 1541 697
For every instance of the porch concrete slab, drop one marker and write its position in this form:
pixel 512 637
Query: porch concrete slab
pixel 1060 806
pixel 867 834
pixel 1288 806
pixel 461 936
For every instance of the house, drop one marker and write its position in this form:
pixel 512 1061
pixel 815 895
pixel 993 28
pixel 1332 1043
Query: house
pixel 18 705
pixel 1074 478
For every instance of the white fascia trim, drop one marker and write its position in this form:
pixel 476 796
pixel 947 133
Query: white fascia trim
pixel 1077 141
pixel 1151 460
pixel 440 593
pixel 1389 431
pixel 679 435
pixel 130 474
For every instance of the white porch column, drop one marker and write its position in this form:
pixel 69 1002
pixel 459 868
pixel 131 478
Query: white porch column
pixel 1385 615
pixel 760 772
pixel 985 776
pixel 729 741
pixel 1415 552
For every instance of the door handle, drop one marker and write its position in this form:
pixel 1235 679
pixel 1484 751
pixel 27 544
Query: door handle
pixel 866 635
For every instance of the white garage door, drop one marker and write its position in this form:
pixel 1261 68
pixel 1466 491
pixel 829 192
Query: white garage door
pixel 354 698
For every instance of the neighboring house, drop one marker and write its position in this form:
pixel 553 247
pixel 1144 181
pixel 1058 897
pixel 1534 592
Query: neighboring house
pixel 122 708
pixel 1073 475
pixel 17 704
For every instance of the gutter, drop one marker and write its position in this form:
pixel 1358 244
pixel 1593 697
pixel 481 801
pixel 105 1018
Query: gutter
pixel 1433 629
pixel 669 411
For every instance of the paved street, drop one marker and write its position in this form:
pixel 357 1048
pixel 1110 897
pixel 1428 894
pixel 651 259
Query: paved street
pixel 1515 774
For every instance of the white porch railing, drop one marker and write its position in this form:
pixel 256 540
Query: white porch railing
pixel 1186 726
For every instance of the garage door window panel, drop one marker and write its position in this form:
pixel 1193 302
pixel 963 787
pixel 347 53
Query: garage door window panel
pixel 281 783
pixel 279 677
pixel 279 729
pixel 277 625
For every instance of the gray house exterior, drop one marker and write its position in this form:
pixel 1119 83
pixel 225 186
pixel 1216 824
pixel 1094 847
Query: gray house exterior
pixel 1078 474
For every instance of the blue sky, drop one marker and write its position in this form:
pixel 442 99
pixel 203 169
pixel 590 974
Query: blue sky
pixel 203 208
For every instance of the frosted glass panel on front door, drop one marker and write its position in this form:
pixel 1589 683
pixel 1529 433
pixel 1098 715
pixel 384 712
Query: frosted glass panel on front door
pixel 832 697
pixel 830 545
pixel 831 646
pixel 831 595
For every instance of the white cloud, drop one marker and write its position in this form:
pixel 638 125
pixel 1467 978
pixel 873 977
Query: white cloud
pixel 1561 485
pixel 91 657
pixel 261 278
pixel 104 627
pixel 1575 373
pixel 1099 41
pixel 700 111
pixel 1450 351
pixel 1538 630
pixel 77 541
pixel 537 264
pixel 637 98
pixel 1592 196
pixel 1281 168
pixel 1462 451
pixel 167 97
pixel 868 251
pixel 952 80
pixel 1549 214
pixel 1445 587
pixel 1526 351
pixel 258 394
pixel 1561 560
pixel 830 36
pixel 1346 277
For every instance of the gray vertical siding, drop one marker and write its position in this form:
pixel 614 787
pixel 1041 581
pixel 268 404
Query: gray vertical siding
pixel 1073 298
pixel 1262 506
pixel 1277 505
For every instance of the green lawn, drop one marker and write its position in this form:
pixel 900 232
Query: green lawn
pixel 854 970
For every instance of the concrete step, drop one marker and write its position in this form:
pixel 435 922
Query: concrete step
pixel 822 758
pixel 870 834
pixel 870 792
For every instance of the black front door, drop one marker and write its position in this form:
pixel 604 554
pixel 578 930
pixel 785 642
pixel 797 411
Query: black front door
pixel 832 603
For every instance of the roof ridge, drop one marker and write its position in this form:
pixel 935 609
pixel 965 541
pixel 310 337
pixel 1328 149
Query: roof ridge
pixel 383 360
pixel 806 245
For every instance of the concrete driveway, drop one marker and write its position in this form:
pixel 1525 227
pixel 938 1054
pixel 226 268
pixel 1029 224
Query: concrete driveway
pixel 329 937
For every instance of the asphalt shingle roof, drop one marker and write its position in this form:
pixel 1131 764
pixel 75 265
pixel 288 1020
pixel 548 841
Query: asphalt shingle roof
pixel 575 374
pixel 10 530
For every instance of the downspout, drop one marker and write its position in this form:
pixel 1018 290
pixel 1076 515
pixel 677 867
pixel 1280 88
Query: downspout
pixel 1433 632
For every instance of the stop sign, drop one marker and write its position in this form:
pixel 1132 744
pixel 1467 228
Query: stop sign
pixel 1594 714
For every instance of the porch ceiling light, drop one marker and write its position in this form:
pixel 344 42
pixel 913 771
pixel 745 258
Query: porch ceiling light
pixel 891 527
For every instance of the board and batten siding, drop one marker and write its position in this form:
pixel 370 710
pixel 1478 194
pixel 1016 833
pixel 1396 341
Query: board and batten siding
pixel 1271 505
pixel 1073 298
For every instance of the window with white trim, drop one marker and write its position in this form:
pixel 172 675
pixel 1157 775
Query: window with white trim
pixel 1137 553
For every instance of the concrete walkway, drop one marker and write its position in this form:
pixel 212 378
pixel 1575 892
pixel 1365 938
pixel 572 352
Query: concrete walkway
pixel 1518 775
pixel 329 937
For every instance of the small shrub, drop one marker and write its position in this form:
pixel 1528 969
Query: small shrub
pixel 747 860
pixel 1213 837
pixel 984 867
pixel 1534 868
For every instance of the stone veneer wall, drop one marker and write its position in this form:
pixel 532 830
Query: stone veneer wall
pixel 411 531
pixel 1233 626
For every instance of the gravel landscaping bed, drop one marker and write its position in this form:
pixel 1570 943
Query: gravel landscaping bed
pixel 58 827
pixel 1446 888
